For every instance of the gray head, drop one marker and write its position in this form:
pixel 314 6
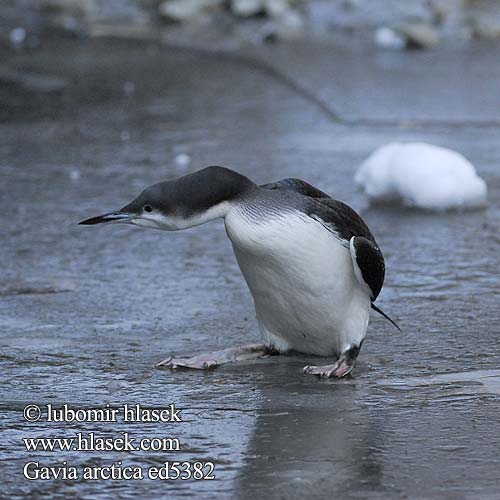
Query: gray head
pixel 184 202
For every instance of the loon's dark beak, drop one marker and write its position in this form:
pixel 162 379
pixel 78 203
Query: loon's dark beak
pixel 111 217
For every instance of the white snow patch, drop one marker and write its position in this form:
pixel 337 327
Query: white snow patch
pixel 387 38
pixel 182 160
pixel 423 176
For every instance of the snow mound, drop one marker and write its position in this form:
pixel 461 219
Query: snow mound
pixel 423 176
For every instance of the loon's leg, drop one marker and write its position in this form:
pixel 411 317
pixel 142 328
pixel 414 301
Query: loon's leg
pixel 340 368
pixel 213 359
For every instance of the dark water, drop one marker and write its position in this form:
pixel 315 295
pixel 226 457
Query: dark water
pixel 85 313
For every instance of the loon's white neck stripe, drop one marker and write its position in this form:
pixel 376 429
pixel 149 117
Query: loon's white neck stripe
pixel 157 220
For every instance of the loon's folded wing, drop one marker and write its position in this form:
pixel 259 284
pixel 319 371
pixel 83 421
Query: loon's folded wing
pixel 369 268
pixel 368 262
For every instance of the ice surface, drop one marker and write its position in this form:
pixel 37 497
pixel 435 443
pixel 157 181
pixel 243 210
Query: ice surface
pixel 421 175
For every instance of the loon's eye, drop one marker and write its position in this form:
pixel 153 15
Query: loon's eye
pixel 148 208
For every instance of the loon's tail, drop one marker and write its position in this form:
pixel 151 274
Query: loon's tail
pixel 382 313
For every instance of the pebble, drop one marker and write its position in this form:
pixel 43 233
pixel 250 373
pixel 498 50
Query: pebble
pixel 246 8
pixel 419 35
pixel 186 10
pixel 276 8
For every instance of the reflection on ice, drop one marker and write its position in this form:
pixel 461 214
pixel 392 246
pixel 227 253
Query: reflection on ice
pixel 467 383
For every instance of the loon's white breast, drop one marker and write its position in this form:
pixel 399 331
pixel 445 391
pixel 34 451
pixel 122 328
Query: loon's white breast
pixel 302 280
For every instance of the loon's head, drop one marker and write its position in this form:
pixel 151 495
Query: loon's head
pixel 181 203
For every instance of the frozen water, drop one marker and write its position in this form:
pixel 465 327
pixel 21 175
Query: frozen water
pixel 421 175
pixel 86 314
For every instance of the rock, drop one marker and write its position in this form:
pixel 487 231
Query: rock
pixel 451 17
pixel 287 27
pixel 284 23
pixel 246 8
pixel 449 13
pixel 351 15
pixel 277 8
pixel 387 38
pixel 486 27
pixel 87 7
pixel 81 18
pixel 186 10
pixel 419 35
pixel 124 11
pixel 484 19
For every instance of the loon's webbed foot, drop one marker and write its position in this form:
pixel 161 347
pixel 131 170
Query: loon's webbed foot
pixel 210 360
pixel 339 369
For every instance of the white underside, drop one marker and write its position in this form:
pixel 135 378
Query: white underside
pixel 302 279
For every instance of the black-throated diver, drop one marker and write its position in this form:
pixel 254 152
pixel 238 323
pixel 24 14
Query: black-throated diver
pixel 312 265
